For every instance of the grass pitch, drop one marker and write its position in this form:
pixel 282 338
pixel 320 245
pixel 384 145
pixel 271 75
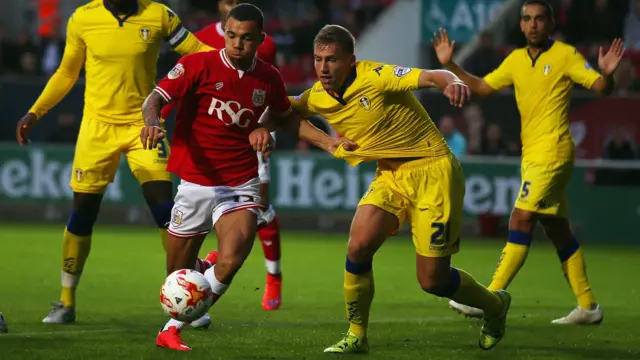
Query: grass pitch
pixel 119 312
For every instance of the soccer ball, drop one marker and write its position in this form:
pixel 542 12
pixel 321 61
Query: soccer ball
pixel 186 295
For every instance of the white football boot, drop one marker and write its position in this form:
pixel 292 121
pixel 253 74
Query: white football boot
pixel 580 316
pixel 203 323
pixel 60 314
pixel 467 311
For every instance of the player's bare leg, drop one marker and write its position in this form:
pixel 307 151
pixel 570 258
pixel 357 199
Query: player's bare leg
pixel 512 258
pixel 570 254
pixel 236 232
pixel 159 198
pixel 269 236
pixel 437 277
pixel 75 251
pixel 371 226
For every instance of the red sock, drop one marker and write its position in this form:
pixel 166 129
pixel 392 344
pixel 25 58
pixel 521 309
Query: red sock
pixel 270 240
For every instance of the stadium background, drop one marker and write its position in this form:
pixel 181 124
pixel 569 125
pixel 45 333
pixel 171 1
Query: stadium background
pixel 318 192
pixel 315 196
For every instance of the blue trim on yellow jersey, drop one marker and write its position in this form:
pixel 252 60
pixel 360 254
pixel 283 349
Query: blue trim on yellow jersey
pixel 134 10
pixel 544 49
pixel 339 96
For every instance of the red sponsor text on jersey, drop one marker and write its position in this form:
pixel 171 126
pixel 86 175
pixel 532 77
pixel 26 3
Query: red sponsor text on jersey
pixel 219 107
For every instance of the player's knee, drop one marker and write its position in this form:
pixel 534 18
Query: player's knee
pixel 440 284
pixel 522 220
pixel 84 213
pixel 158 195
pixel 360 249
pixel 558 231
pixel 162 213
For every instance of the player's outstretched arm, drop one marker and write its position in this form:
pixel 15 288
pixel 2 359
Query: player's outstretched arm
pixel 608 64
pixel 444 52
pixel 58 85
pixel 452 87
pixel 152 132
pixel 305 130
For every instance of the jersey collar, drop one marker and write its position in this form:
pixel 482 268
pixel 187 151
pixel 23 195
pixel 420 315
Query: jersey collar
pixel 543 50
pixel 227 63
pixel 134 10
pixel 339 95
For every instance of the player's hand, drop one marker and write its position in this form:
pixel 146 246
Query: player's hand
pixel 443 48
pixel 261 141
pixel 150 136
pixel 346 144
pixel 609 62
pixel 458 93
pixel 24 127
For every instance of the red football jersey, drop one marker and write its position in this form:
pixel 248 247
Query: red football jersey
pixel 213 35
pixel 219 107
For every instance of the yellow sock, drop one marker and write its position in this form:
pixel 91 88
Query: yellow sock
pixel 471 293
pixel 358 295
pixel 511 260
pixel 75 250
pixel 575 271
pixel 164 238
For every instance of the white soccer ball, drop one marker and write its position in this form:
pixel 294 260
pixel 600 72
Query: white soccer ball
pixel 186 295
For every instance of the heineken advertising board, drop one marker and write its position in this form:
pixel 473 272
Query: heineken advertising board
pixel 317 183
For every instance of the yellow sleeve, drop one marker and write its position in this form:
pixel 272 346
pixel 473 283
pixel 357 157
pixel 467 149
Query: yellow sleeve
pixel 580 72
pixel 178 37
pixel 501 77
pixel 65 77
pixel 300 103
pixel 393 78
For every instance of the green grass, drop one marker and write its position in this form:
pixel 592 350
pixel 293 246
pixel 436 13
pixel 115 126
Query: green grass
pixel 119 312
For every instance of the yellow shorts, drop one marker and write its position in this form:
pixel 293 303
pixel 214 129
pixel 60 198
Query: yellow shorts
pixel 429 194
pixel 543 189
pixel 98 152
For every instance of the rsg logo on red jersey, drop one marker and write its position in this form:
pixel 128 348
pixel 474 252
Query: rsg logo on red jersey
pixel 233 110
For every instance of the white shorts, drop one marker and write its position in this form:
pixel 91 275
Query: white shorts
pixel 267 216
pixel 263 166
pixel 197 208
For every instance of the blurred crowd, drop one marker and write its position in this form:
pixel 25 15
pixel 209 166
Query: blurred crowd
pixel 294 23
pixel 588 24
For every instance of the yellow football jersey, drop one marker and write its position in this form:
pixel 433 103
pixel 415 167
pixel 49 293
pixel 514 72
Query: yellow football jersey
pixel 543 94
pixel 120 53
pixel 378 111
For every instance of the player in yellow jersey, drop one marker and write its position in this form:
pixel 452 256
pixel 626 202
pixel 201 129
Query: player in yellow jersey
pixel 543 75
pixel 418 178
pixel 118 42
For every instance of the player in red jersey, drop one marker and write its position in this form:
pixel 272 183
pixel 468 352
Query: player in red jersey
pixel 269 234
pixel 223 94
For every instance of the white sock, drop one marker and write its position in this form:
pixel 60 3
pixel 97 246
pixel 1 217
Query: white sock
pixel 173 322
pixel 273 266
pixel 217 287
pixel 69 280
